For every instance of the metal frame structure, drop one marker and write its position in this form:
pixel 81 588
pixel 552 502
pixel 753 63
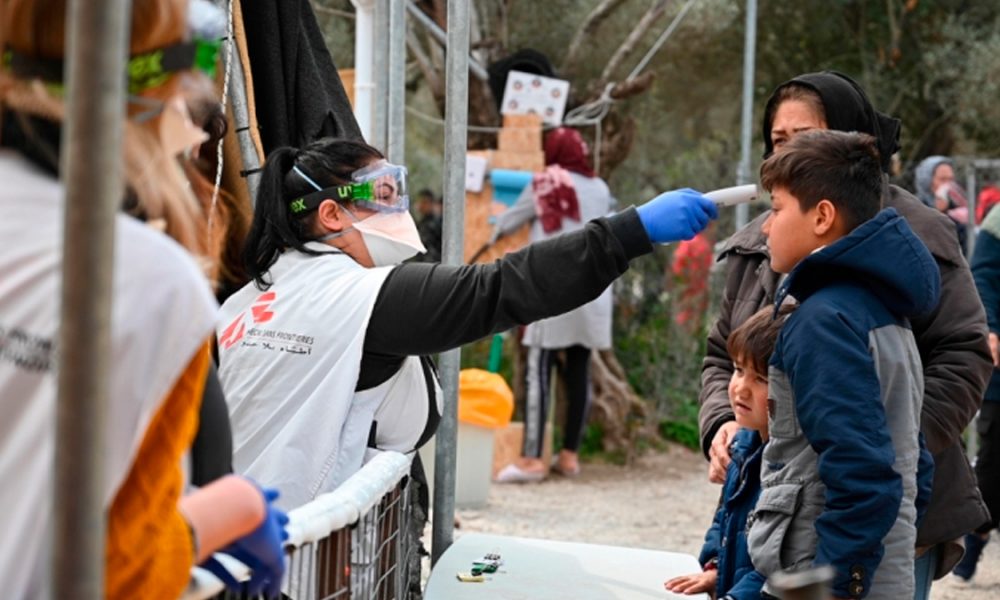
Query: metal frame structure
pixel 746 119
pixel 972 169
pixel 354 543
pixel 455 146
pixel 92 144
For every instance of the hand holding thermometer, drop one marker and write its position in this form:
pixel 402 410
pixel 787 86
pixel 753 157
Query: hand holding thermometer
pixel 659 227
pixel 731 196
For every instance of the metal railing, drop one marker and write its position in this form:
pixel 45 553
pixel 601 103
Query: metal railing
pixel 353 543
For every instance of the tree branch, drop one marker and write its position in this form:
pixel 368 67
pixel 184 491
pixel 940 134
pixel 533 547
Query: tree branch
pixel 632 87
pixel 586 31
pixel 655 12
pixel 434 79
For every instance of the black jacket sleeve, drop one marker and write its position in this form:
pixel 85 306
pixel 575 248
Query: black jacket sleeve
pixel 212 449
pixel 426 309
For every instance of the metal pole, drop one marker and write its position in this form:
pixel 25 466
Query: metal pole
pixel 364 60
pixel 97 44
pixel 396 147
pixel 477 69
pixel 455 143
pixel 970 227
pixel 381 41
pixel 746 124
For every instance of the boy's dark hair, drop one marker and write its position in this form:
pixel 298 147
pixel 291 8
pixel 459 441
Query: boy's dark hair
pixel 754 340
pixel 842 167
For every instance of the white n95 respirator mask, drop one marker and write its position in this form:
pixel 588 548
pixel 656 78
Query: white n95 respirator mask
pixel 390 237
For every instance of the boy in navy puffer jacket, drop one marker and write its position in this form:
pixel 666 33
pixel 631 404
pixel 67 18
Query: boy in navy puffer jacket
pixel 844 472
pixel 724 558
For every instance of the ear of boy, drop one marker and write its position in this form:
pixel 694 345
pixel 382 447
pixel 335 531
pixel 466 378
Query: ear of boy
pixel 828 225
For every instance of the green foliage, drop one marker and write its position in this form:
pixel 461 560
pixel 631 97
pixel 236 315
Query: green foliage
pixel 592 443
pixel 662 359
pixel 683 427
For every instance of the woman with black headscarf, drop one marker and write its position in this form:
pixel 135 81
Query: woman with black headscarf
pixel 952 339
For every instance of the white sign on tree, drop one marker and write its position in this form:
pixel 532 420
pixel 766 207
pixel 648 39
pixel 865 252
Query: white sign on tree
pixel 527 93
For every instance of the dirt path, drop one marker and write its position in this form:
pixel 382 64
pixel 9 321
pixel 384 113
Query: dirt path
pixel 663 502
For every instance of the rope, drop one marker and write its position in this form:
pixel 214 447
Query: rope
pixel 219 158
pixel 660 41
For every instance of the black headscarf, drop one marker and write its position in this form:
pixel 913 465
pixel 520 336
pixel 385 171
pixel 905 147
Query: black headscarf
pixel 847 109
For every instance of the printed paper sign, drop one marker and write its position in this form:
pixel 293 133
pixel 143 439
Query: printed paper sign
pixel 475 172
pixel 527 93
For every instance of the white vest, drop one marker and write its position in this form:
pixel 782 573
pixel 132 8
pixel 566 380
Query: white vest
pixel 289 360
pixel 162 313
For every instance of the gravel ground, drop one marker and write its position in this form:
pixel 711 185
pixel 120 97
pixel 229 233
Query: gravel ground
pixel 663 502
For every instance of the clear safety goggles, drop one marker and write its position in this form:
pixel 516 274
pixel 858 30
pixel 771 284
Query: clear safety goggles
pixel 380 186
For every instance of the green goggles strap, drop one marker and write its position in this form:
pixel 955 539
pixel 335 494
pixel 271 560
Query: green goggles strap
pixel 354 192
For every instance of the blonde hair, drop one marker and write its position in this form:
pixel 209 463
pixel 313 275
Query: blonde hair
pixel 36 28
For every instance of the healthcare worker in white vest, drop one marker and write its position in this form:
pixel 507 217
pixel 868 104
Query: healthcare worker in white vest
pixel 324 356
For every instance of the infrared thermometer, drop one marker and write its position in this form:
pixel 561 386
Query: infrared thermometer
pixel 731 196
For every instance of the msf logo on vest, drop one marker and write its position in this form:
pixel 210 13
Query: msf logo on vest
pixel 259 312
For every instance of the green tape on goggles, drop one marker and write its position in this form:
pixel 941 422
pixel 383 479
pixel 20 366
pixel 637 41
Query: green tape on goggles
pixel 354 192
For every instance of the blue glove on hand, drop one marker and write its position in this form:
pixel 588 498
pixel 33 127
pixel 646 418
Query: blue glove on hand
pixel 261 550
pixel 676 215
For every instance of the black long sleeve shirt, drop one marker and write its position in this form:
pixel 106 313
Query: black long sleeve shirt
pixel 429 308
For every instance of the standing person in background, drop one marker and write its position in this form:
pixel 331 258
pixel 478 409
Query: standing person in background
pixel 936 187
pixel 951 339
pixel 429 225
pixel 989 197
pixel 560 199
pixel 986 271
pixel 691 266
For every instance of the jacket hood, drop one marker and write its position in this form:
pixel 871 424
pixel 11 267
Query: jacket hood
pixel 847 109
pixel 885 255
pixel 925 174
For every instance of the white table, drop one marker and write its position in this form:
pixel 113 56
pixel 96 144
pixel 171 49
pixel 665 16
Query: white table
pixel 546 570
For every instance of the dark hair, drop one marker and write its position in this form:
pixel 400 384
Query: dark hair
pixel 842 104
pixel 328 162
pixel 842 167
pixel 792 91
pixel 754 340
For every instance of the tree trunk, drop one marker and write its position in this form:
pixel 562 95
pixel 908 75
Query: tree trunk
pixel 621 413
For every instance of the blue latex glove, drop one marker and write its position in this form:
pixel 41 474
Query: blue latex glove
pixel 261 550
pixel 676 215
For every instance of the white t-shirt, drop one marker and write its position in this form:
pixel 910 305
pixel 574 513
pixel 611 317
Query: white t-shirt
pixel 162 313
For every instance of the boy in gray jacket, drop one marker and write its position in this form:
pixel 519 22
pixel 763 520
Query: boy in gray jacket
pixel 840 474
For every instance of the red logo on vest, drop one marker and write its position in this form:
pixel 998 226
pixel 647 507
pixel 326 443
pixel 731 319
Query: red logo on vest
pixel 237 329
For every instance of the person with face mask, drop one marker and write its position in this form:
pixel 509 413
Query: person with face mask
pixel 934 180
pixel 160 328
pixel 951 339
pixel 324 356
